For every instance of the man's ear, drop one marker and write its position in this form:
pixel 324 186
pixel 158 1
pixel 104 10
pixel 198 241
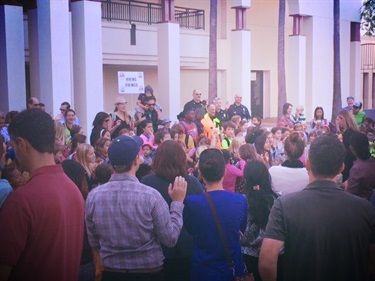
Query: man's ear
pixel 308 165
pixel 342 168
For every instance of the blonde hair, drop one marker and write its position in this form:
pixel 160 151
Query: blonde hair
pixel 349 121
pixel 237 142
pixel 81 152
pixel 60 135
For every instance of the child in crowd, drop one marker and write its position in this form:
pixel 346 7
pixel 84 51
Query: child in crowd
pixel 236 119
pixel 141 101
pixel 278 144
pixel 147 150
pixel 160 136
pixel 13 176
pixel 256 121
pixel 234 149
pixel 103 173
pixel 228 131
pixel 299 115
pixel 58 152
pixel 147 133
pixel 126 132
pixel 285 133
pixel 231 172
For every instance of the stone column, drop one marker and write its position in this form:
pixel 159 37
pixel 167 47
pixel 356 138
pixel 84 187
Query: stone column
pixel 169 68
pixel 355 63
pixel 54 53
pixel 296 57
pixel 87 61
pixel 240 55
pixel 12 59
pixel 32 19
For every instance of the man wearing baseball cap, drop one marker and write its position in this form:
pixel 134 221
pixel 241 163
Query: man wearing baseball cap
pixel 126 220
pixel 359 115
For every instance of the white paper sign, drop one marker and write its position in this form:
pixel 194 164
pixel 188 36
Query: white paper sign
pixel 130 82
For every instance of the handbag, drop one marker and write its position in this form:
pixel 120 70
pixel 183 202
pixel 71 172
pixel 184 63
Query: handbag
pixel 247 276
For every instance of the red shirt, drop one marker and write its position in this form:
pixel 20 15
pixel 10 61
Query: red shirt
pixel 41 228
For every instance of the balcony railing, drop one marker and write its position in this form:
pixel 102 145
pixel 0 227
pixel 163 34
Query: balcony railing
pixel 150 13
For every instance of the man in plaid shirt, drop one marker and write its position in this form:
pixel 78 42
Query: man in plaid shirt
pixel 126 220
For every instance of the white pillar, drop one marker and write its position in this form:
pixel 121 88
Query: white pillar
pixel 32 19
pixel 54 53
pixel 169 69
pixel 296 79
pixel 12 59
pixel 87 61
pixel 241 65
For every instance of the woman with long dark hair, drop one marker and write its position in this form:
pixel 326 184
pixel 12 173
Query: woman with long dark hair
pixel 168 163
pixel 210 259
pixel 260 198
pixel 101 122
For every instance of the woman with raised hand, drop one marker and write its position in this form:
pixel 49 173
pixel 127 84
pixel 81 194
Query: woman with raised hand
pixel 211 260
pixel 168 163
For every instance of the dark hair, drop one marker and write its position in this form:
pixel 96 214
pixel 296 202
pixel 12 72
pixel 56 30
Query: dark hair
pixel 226 155
pixel 248 152
pixel 75 140
pixel 103 173
pixel 170 160
pixel 176 130
pixel 99 119
pixel 67 104
pixel 99 144
pixel 285 107
pixel 259 143
pixel 77 174
pixel 326 155
pixel 360 144
pixel 69 110
pixel 159 136
pixel 275 129
pixel 294 146
pixel 212 165
pixel 316 109
pixel 252 134
pixel 260 201
pixel 10 116
pixel 229 124
pixel 144 124
pixel 35 126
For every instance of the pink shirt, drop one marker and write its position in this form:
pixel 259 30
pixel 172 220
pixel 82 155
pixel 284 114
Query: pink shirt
pixel 231 174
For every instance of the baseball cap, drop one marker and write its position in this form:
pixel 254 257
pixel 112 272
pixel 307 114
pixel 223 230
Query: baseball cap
pixel 165 121
pixel 357 104
pixel 120 99
pixel 124 149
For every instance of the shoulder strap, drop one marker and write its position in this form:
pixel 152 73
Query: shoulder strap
pixel 220 230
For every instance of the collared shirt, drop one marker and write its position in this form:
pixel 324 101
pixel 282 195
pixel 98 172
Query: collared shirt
pixel 240 110
pixel 195 105
pixel 127 220
pixel 222 115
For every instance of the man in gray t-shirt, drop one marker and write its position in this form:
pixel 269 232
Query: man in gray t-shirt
pixel 326 233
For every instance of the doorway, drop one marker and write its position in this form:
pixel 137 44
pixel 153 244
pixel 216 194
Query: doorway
pixel 257 93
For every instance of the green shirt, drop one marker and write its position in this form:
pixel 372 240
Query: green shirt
pixel 359 117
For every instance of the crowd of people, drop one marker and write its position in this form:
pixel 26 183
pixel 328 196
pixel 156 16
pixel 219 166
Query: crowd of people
pixel 214 196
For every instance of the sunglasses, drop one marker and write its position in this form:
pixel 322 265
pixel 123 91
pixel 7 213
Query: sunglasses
pixel 150 104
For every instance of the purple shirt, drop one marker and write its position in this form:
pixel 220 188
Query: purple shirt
pixel 361 179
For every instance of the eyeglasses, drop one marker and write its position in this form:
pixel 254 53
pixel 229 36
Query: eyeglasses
pixel 150 104
pixel 198 94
